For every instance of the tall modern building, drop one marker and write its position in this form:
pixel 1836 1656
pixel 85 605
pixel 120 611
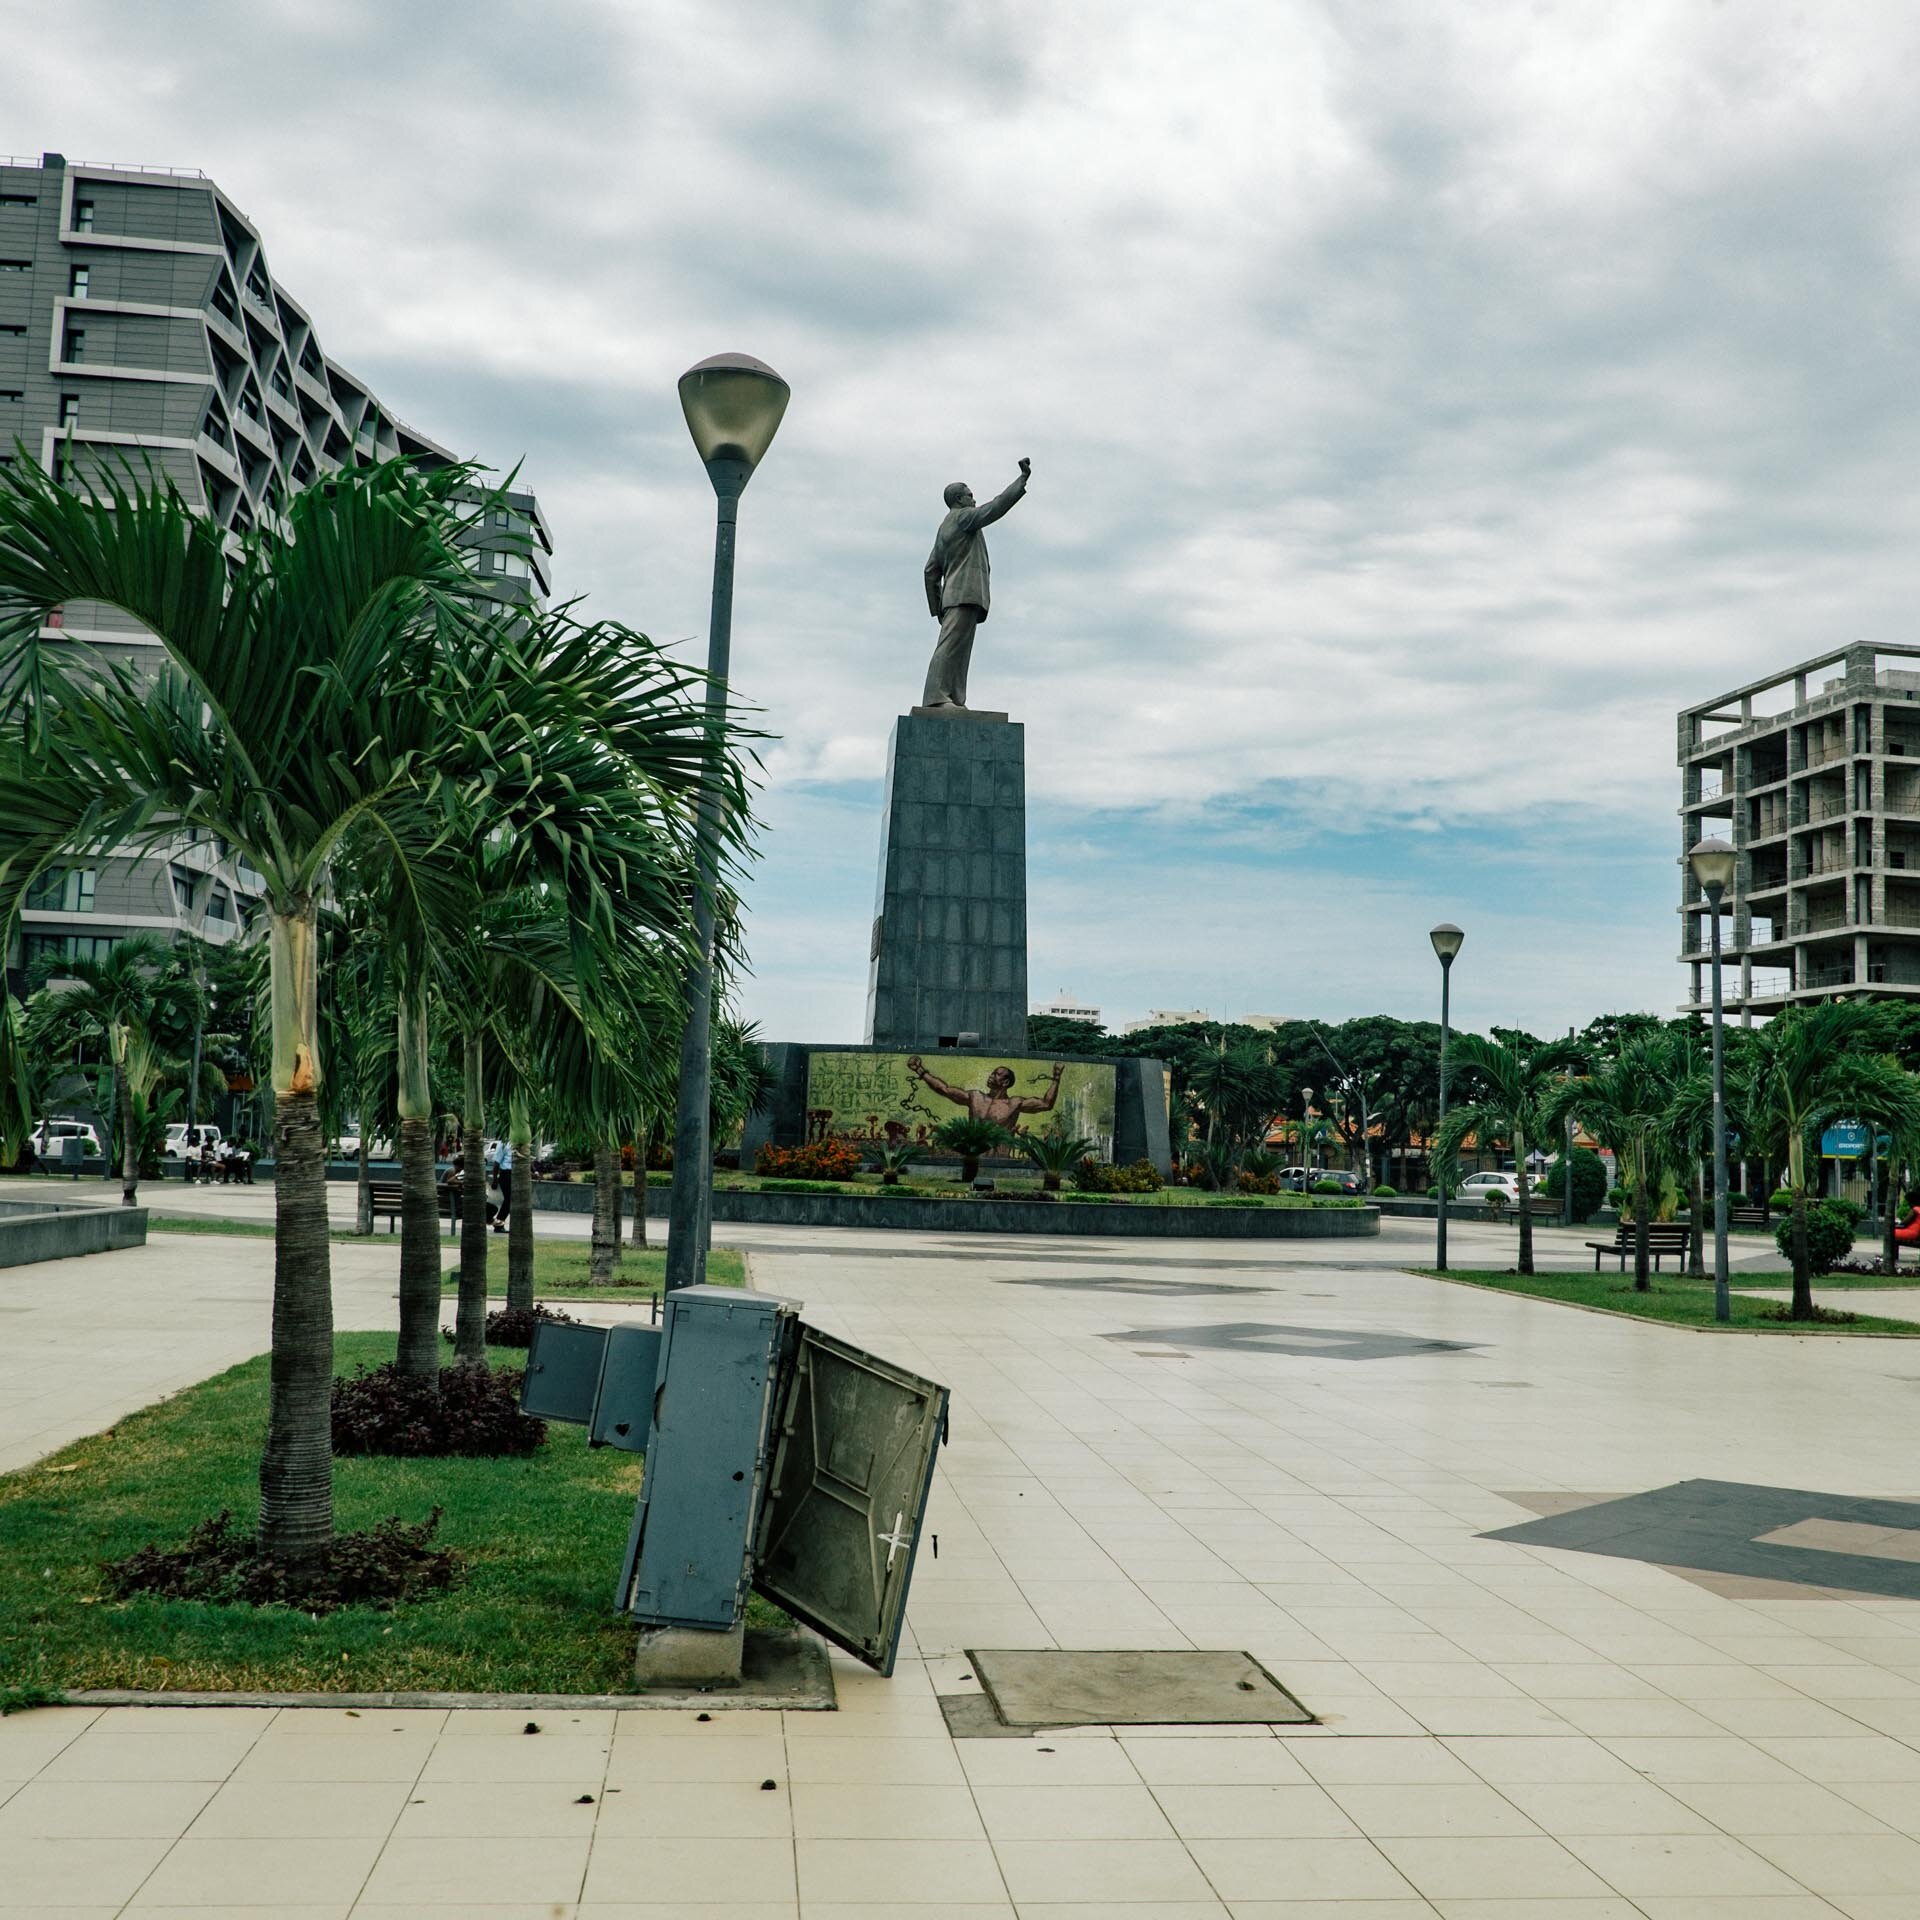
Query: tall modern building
pixel 140 321
pixel 1814 775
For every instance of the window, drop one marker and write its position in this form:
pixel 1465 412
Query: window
pixel 62 890
pixel 79 279
pixel 218 905
pixel 501 517
pixel 17 200
pixel 16 266
pixel 83 216
pixel 182 888
pixel 73 348
pixel 13 329
pixel 66 946
pixel 11 393
pixel 69 409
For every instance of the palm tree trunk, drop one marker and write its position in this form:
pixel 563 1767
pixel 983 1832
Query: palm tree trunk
pixel 1890 1214
pixel 520 1216
pixel 640 1183
pixel 419 1348
pixel 363 1200
pixel 470 1319
pixel 296 1464
pixel 1702 1226
pixel 1526 1205
pixel 603 1249
pixel 129 1144
pixel 617 1212
pixel 1802 1308
pixel 1642 1217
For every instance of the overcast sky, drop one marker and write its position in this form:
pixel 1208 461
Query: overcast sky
pixel 1425 401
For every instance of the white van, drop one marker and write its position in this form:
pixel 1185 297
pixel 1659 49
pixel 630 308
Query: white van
pixel 180 1136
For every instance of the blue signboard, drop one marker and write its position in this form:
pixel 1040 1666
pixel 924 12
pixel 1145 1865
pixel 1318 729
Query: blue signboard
pixel 1845 1140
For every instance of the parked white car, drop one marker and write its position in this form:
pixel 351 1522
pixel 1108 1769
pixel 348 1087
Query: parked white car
pixel 1477 1188
pixel 180 1137
pixel 48 1135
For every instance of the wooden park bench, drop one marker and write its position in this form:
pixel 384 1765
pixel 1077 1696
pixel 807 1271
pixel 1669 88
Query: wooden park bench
pixel 1663 1237
pixel 1750 1217
pixel 386 1199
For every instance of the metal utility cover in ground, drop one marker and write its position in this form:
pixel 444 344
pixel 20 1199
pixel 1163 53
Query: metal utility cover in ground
pixel 1068 1687
pixel 852 1464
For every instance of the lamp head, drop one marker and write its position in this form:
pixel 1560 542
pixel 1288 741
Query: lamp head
pixel 1447 941
pixel 1712 862
pixel 734 405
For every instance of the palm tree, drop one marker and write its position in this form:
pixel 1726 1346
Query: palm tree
pixel 966 1136
pixel 1055 1152
pixel 315 688
pixel 1625 1100
pixel 1510 1085
pixel 118 1001
pixel 1806 1069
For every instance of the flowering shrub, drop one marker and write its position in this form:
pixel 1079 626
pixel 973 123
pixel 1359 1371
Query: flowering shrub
pixel 816 1160
pixel 1095 1176
pixel 1259 1182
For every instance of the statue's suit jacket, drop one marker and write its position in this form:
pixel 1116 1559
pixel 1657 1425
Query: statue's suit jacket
pixel 957 570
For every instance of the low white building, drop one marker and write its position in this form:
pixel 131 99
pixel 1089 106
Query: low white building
pixel 1063 1006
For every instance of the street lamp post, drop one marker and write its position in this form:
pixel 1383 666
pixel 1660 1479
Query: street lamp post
pixel 1447 941
pixel 734 405
pixel 1712 862
pixel 1306 1126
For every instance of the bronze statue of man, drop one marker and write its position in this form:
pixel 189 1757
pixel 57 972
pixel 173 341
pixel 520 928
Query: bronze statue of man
pixel 957 594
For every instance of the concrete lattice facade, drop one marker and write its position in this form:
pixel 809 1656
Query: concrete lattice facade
pixel 140 322
pixel 1820 797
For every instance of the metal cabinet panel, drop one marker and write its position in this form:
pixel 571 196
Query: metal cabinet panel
pixel 688 1557
pixel 562 1380
pixel 623 1411
pixel 846 1493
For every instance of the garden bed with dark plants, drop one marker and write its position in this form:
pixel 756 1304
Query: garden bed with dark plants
pixel 473 1411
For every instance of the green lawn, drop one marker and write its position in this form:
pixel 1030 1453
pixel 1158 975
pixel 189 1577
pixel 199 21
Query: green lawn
pixel 541 1539
pixel 1674 1299
pixel 1016 1185
pixel 560 1271
pixel 235 1229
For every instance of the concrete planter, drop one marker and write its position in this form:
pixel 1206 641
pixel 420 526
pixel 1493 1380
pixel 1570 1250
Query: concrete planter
pixel 911 1212
pixel 34 1230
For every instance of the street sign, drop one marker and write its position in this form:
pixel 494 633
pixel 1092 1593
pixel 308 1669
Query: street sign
pixel 1844 1140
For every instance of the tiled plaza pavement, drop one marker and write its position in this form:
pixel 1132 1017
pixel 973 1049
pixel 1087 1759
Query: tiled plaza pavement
pixel 1511 1731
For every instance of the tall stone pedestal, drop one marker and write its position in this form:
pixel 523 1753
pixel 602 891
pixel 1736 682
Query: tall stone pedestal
pixel 948 960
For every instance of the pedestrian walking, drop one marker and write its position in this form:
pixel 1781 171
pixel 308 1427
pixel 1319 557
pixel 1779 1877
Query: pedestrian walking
pixel 503 1179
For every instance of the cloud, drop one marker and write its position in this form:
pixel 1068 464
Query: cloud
pixel 1425 403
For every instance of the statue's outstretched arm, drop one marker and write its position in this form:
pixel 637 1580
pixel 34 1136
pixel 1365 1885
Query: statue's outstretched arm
pixel 1001 503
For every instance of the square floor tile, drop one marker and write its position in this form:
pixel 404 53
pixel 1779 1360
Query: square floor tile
pixel 1836 1864
pixel 1118 1871
pixel 1465 1810
pixel 1115 1812
pixel 702 1809
pixel 1299 1869
pixel 307 1809
pixel 898 1873
pixel 223 1871
pixel 105 1809
pixel 875 1811
pixel 61 1872
pixel 1678 1863
pixel 689 1871
pixel 529 1810
pixel 1244 1812
pixel 1493 1869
